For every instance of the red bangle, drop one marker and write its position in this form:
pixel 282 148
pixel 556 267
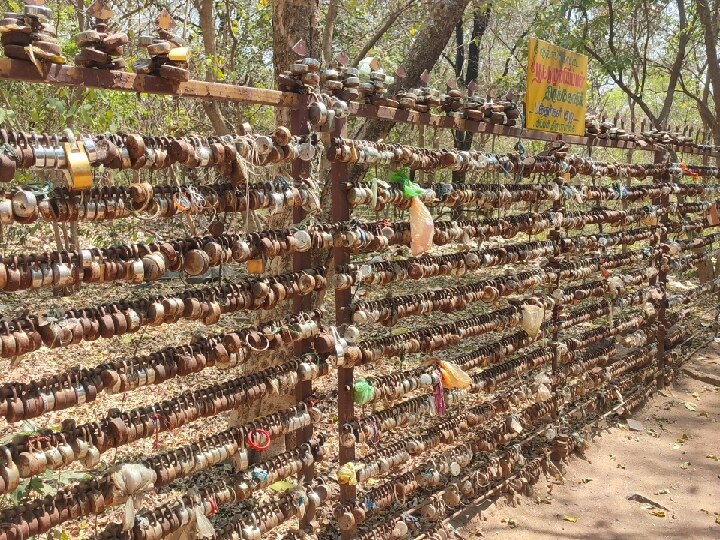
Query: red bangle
pixel 251 442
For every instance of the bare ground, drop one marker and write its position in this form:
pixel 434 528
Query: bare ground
pixel 671 464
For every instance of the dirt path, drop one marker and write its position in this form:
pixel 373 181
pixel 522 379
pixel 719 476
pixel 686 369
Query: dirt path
pixel 672 464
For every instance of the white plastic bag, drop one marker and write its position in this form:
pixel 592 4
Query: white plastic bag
pixel 422 227
pixel 532 319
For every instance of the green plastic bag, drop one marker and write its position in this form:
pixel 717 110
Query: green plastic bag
pixel 363 392
pixel 402 177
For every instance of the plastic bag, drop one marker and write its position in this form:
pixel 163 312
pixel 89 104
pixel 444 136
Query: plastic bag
pixel 453 376
pixel 409 188
pixel 363 392
pixel 543 393
pixel 131 483
pixel 532 319
pixel 422 228
pixel 616 285
pixel 347 475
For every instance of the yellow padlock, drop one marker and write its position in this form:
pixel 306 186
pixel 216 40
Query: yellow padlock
pixel 179 54
pixel 79 171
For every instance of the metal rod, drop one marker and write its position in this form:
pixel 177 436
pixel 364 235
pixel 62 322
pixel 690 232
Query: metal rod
pixel 343 300
pixel 302 261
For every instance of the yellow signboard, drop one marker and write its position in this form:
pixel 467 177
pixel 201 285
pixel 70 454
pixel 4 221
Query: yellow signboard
pixel 556 88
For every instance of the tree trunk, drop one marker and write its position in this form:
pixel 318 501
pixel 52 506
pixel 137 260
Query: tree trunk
pixel 293 20
pixel 205 10
pixel 677 65
pixel 707 15
pixel 423 55
pixel 80 14
pixel 481 18
pixel 327 37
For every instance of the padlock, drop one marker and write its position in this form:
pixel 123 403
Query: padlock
pixel 78 165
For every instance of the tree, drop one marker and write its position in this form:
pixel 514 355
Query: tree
pixel 207 24
pixel 466 74
pixel 423 54
pixel 627 41
pixel 707 11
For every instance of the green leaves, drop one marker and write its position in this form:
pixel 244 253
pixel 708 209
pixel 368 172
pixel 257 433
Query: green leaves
pixel 7 116
pixel 47 483
pixel 56 104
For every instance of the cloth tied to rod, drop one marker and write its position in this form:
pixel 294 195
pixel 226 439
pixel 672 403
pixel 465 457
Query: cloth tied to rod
pixel 131 483
pixel 259 475
pixel 198 526
pixel 203 527
pixel 299 499
pixel 684 168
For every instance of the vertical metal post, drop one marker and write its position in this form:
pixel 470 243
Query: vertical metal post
pixel 420 176
pixel 558 206
pixel 662 284
pixel 341 257
pixel 660 280
pixel 301 261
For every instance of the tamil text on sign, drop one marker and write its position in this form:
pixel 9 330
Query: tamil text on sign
pixel 556 88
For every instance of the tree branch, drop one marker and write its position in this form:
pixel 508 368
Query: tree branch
pixel 459 49
pixel 481 19
pixel 706 114
pixel 327 36
pixel 449 60
pixel 205 10
pixel 617 78
pixel 710 35
pixel 676 68
pixel 611 30
pixel 380 32
pixel 646 44
pixel 522 37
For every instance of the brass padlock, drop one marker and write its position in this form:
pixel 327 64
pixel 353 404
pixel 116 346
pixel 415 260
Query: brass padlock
pixel 179 54
pixel 78 165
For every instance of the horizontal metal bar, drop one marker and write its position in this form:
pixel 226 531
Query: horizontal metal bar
pixel 463 124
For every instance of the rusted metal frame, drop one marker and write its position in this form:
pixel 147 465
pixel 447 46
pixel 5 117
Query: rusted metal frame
pixel 497 489
pixel 343 315
pixel 300 262
pixel 18 70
